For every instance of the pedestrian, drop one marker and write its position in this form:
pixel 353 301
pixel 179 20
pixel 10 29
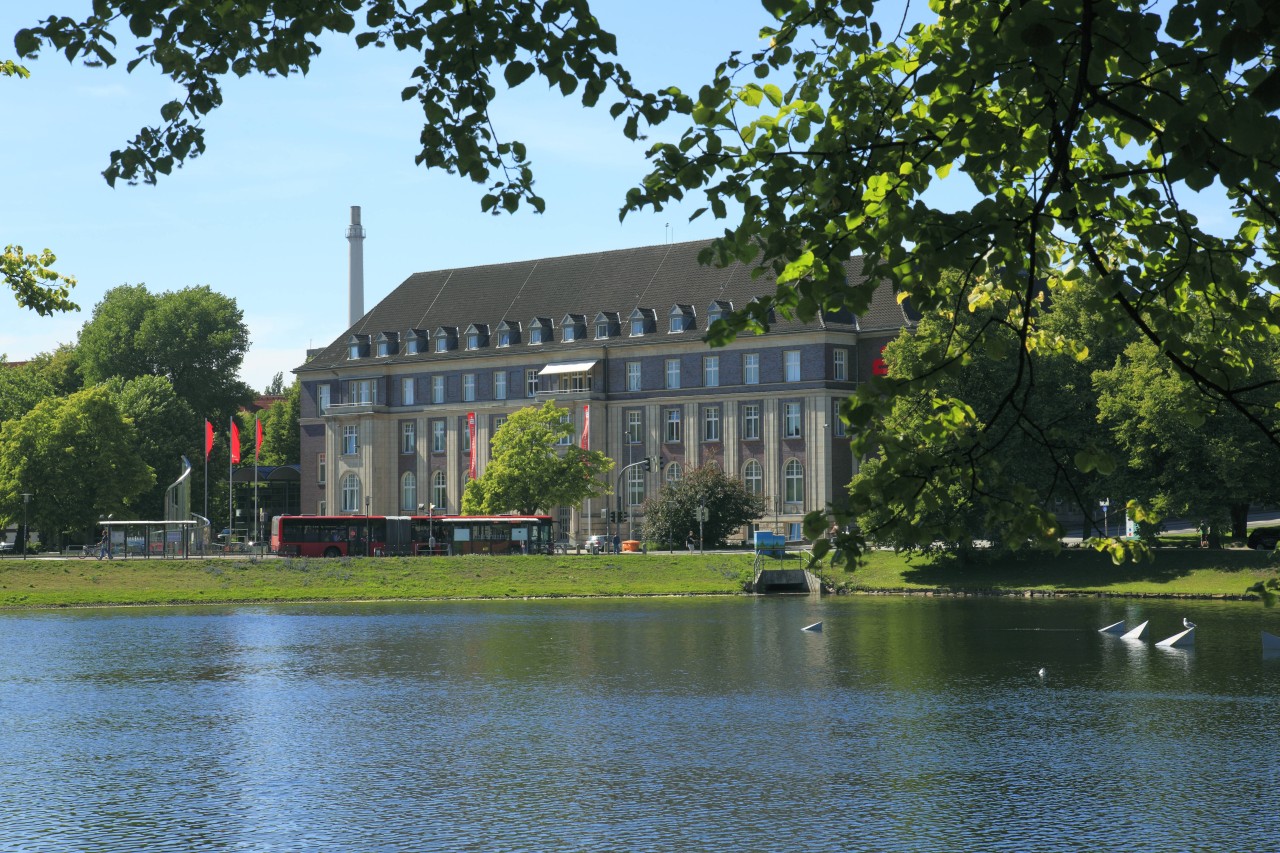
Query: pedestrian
pixel 104 546
pixel 688 542
pixel 617 544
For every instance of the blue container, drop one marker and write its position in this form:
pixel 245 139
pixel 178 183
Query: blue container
pixel 772 544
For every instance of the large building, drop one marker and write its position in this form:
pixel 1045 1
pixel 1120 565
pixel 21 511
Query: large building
pixel 616 339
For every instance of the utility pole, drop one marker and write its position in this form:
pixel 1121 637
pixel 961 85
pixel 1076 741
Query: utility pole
pixel 26 499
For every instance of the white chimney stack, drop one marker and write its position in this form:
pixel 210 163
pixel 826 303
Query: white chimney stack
pixel 355 268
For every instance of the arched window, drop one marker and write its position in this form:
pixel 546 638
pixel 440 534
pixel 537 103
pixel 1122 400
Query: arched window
pixel 440 491
pixel 350 493
pixel 674 472
pixel 793 482
pixel 752 477
pixel 409 491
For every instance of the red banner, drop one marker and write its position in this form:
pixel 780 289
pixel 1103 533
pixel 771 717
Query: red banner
pixel 471 428
pixel 586 425
pixel 257 446
pixel 208 439
pixel 235 442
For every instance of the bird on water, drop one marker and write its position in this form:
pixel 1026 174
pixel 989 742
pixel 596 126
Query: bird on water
pixel 1043 672
pixel 1187 623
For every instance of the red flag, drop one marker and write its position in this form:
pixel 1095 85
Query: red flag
pixel 471 428
pixel 235 442
pixel 208 439
pixel 586 425
pixel 258 438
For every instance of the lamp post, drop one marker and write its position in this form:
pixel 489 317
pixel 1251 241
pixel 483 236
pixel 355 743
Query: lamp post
pixel 26 499
pixel 368 501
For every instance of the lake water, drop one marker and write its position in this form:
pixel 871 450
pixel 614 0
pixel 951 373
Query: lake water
pixel 907 724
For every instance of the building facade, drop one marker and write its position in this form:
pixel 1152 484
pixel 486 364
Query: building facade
pixel 615 339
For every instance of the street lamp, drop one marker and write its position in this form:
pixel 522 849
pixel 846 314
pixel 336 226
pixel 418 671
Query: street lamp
pixel 26 499
pixel 368 501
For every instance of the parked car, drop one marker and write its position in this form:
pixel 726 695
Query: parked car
pixel 597 544
pixel 1264 538
pixel 6 547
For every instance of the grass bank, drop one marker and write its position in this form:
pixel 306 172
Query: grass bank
pixel 51 583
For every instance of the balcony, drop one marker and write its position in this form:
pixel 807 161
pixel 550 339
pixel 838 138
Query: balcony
pixel 340 409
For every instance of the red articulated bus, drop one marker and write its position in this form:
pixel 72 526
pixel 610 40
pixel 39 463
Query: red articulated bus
pixel 377 535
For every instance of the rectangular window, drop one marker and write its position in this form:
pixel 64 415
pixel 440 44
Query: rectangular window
pixel 751 421
pixel 464 429
pixel 602 330
pixel 633 376
pixel 635 486
pixel 468 387
pixel 677 322
pixel 530 383
pixel 634 435
pixel 321 469
pixel 497 425
pixel 323 508
pixel 535 335
pixel 570 334
pixel 795 531
pixel 322 398
pixel 361 391
pixel 840 365
pixel 711 371
pixel 407 387
pixel 566 439
pixel 408 437
pixel 791 420
pixel 442 343
pixel 711 423
pixel 504 337
pixel 671 430
pixel 437 389
pixel 673 373
pixel 791 365
pixel 500 385
pixel 350 440
pixel 751 368
pixel 637 327
pixel 437 436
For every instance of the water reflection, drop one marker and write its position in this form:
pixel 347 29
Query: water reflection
pixel 907 724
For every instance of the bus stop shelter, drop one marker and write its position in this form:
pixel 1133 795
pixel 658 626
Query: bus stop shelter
pixel 147 539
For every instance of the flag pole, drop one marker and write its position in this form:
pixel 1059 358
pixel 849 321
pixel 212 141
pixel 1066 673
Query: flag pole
pixel 257 447
pixel 231 493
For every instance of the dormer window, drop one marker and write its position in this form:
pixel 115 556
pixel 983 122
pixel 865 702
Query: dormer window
pixel 415 342
pixel 508 334
pixel 572 327
pixel 718 310
pixel 640 322
pixel 446 338
pixel 681 317
pixel 358 347
pixel 387 344
pixel 477 336
pixel 540 331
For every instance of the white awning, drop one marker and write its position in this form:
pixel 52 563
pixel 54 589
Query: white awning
pixel 567 367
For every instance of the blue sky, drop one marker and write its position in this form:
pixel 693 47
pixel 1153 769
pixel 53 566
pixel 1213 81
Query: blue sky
pixel 262 215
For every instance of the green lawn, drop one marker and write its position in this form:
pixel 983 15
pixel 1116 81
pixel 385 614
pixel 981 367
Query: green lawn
pixel 44 583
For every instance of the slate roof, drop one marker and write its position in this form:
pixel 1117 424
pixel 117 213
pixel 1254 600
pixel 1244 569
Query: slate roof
pixel 648 277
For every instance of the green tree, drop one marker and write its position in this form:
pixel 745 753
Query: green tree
pixel 280 429
pixel 1185 453
pixel 79 459
pixel 275 387
pixel 673 512
pixel 529 471
pixel 22 387
pixel 194 336
pixel 166 428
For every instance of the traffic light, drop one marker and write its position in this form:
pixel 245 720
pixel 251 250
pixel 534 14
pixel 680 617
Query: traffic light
pixel 648 463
